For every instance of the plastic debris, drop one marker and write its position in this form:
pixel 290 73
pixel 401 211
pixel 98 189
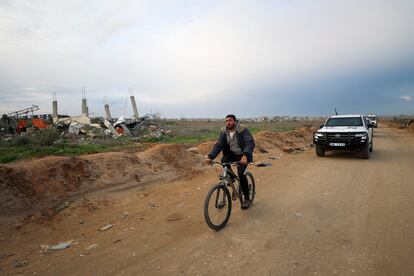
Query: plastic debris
pixel 106 227
pixel 60 246
pixel 263 165
pixel 274 157
pixel 92 246
pixel 62 206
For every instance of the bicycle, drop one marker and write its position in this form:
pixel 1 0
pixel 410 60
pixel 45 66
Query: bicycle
pixel 220 199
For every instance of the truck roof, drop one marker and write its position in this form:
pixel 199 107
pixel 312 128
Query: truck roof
pixel 346 116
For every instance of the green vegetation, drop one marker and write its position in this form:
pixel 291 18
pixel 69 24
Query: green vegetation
pixel 182 139
pixel 10 152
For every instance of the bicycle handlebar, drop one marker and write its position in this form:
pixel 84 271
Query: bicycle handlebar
pixel 237 163
pixel 225 163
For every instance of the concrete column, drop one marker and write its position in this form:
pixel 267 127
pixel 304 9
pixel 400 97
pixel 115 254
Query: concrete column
pixel 108 113
pixel 55 109
pixel 134 107
pixel 84 108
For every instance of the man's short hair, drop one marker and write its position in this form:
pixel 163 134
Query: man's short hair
pixel 231 116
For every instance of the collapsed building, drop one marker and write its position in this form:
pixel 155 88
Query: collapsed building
pixel 25 121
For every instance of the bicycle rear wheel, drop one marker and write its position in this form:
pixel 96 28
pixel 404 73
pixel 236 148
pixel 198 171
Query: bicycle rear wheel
pixel 252 188
pixel 217 207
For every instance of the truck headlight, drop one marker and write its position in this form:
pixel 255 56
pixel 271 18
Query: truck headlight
pixel 362 135
pixel 318 135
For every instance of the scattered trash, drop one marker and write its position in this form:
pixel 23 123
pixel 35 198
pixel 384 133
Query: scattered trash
pixel 152 205
pixel 106 227
pixel 60 246
pixel 274 157
pixel 62 206
pixel 262 150
pixel 19 264
pixel 263 165
pixel 125 214
pixel 288 150
pixel 180 205
pixel 81 222
pixel 92 246
pixel 299 214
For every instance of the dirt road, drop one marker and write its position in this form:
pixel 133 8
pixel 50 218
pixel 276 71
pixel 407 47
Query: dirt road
pixel 312 216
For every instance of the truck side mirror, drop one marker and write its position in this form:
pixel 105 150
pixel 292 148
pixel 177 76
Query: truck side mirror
pixel 370 125
pixel 321 126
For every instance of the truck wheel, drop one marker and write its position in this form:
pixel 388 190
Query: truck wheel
pixel 371 148
pixel 320 151
pixel 364 153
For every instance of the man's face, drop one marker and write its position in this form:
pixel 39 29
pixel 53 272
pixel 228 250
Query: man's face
pixel 230 123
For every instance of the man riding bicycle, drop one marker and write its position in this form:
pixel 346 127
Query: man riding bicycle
pixel 237 144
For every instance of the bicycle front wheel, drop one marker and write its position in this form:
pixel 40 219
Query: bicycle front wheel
pixel 217 207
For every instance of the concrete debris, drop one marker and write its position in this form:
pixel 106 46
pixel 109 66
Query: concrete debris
pixel 111 128
pixel 121 120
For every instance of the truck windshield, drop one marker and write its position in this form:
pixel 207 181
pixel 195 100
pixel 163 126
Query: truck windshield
pixel 351 121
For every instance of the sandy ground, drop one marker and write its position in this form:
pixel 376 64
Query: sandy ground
pixel 312 216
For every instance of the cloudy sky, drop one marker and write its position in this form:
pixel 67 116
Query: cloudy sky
pixel 209 58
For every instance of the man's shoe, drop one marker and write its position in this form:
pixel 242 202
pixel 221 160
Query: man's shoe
pixel 246 204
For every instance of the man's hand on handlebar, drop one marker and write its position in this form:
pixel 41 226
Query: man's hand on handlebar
pixel 243 160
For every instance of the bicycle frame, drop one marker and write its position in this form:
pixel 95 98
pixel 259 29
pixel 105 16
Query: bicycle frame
pixel 224 178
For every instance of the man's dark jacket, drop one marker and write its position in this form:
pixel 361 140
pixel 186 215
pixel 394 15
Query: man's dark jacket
pixel 244 139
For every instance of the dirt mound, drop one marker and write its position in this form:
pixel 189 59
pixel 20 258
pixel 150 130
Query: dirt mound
pixel 289 141
pixel 32 184
pixel 35 181
pixel 410 126
pixel 268 140
pixel 205 148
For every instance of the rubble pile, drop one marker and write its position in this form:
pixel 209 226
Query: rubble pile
pixel 83 128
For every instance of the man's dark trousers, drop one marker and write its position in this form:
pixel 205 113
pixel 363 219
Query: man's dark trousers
pixel 231 157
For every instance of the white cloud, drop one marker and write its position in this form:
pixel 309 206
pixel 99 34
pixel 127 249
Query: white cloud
pixel 406 98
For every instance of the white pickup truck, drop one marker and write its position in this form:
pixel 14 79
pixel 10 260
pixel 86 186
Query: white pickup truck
pixel 345 132
pixel 374 120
